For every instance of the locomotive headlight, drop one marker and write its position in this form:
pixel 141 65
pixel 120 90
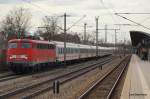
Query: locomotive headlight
pixel 23 56
pixel 12 56
pixel 18 56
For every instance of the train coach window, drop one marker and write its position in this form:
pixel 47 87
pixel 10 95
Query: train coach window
pixel 77 50
pixel 51 46
pixel 66 50
pixel 62 50
pixel 38 46
pixel 12 45
pixel 45 46
pixel 25 45
pixel 58 51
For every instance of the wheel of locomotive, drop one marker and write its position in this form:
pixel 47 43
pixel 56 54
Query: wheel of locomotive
pixel 18 69
pixel 34 68
pixel 23 69
pixel 46 66
pixel 42 66
pixel 14 69
pixel 31 69
pixel 28 70
pixel 37 68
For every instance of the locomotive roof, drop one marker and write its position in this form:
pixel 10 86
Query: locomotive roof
pixel 29 40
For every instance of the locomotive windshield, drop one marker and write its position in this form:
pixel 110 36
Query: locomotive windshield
pixel 25 45
pixel 12 45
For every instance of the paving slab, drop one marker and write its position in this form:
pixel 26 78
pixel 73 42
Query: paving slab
pixel 137 82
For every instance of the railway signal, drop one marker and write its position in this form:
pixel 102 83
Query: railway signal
pixel 56 85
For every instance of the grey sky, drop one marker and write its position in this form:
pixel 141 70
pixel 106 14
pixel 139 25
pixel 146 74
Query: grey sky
pixel 91 8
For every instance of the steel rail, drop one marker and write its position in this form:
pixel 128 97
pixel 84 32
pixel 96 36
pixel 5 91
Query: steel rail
pixel 20 90
pixel 117 81
pixel 66 80
pixel 99 81
pixel 10 77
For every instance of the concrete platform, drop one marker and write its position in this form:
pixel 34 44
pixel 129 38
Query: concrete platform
pixel 137 82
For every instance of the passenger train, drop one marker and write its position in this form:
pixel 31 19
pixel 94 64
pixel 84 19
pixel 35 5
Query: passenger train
pixel 32 55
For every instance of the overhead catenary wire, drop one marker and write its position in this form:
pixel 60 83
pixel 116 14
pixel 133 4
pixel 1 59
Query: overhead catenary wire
pixel 109 12
pixel 128 13
pixel 44 11
pixel 76 22
pixel 29 2
pixel 145 19
pixel 133 21
pixel 112 15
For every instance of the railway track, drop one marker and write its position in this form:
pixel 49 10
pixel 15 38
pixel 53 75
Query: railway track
pixel 26 80
pixel 8 76
pixel 34 89
pixel 103 88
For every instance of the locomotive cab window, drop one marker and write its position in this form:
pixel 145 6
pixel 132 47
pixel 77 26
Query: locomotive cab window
pixel 25 45
pixel 12 45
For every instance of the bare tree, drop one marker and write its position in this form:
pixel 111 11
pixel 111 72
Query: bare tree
pixel 50 28
pixel 16 23
pixel 81 38
pixel 93 39
pixel 101 42
pixel 2 41
pixel 38 32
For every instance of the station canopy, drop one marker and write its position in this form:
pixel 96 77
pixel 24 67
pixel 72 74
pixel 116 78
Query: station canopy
pixel 138 37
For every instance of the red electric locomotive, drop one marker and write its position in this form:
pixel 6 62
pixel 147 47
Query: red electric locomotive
pixel 24 54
